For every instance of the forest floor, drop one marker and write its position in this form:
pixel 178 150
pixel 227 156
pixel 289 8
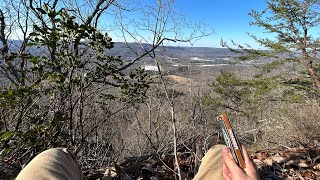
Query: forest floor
pixel 272 164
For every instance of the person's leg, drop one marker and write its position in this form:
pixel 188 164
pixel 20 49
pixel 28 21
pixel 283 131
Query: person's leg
pixel 211 165
pixel 57 163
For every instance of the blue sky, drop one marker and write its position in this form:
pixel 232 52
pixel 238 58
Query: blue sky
pixel 229 18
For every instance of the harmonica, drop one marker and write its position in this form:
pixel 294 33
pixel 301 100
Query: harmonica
pixel 231 140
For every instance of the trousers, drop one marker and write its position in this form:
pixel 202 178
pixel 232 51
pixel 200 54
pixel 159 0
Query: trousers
pixel 59 163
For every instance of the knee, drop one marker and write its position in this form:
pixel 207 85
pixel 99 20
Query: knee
pixel 55 163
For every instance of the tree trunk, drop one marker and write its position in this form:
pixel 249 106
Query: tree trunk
pixel 312 72
pixel 314 75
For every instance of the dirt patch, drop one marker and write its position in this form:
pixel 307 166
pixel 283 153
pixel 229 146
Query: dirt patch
pixel 179 79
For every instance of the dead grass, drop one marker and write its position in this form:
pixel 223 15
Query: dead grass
pixel 178 79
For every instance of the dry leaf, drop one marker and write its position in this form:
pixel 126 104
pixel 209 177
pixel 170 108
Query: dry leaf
pixel 278 159
pixel 308 174
pixel 268 161
pixel 303 165
pixel 110 174
pixel 290 162
pixel 317 166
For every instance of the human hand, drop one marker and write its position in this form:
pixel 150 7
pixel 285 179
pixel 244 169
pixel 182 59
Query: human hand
pixel 231 170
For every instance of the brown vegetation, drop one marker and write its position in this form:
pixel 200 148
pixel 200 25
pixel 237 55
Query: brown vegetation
pixel 107 112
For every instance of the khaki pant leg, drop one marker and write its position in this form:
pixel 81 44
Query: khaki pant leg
pixel 57 163
pixel 211 165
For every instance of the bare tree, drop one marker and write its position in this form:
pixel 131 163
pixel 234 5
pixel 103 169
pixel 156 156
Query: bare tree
pixel 158 24
pixel 64 81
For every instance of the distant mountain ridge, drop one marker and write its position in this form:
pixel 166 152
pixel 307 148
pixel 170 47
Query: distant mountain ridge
pixel 173 55
pixel 122 48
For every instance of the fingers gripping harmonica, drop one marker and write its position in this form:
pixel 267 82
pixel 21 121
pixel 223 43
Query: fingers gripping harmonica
pixel 231 140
